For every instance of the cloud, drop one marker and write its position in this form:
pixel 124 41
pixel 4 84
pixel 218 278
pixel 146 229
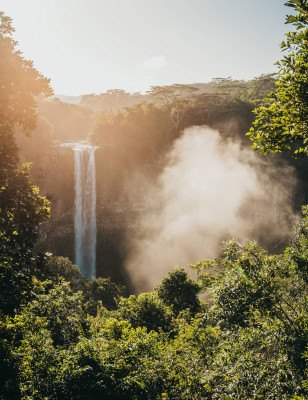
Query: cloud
pixel 153 62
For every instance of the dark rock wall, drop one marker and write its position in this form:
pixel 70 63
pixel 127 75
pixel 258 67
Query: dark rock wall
pixel 116 209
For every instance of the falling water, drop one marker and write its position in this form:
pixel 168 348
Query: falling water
pixel 85 208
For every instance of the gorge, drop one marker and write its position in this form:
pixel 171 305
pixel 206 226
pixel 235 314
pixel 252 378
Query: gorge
pixel 136 150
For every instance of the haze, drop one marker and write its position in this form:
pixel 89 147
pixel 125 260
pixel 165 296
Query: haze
pixel 90 46
pixel 211 189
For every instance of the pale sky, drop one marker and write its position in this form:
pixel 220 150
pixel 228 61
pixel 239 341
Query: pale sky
pixel 90 46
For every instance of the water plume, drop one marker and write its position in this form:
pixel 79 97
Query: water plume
pixel 211 189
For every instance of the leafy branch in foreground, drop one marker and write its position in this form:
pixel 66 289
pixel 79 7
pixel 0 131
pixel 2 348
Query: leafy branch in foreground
pixel 283 122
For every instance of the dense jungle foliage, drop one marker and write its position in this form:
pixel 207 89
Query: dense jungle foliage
pixel 62 337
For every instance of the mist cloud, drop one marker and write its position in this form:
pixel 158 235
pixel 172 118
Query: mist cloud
pixel 210 190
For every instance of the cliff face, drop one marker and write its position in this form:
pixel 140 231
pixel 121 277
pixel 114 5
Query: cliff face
pixel 117 207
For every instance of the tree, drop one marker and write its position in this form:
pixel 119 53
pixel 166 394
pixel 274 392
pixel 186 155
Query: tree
pixel 175 99
pixel 283 122
pixel 21 207
pixel 146 310
pixel 61 268
pixel 102 292
pixel 21 83
pixel 179 291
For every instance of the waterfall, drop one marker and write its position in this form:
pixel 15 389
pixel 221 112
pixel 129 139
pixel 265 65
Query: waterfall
pixel 85 208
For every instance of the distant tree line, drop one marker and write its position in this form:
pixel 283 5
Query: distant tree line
pixel 146 130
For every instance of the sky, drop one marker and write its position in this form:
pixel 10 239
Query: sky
pixel 90 46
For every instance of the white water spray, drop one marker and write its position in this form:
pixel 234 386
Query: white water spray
pixel 85 208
